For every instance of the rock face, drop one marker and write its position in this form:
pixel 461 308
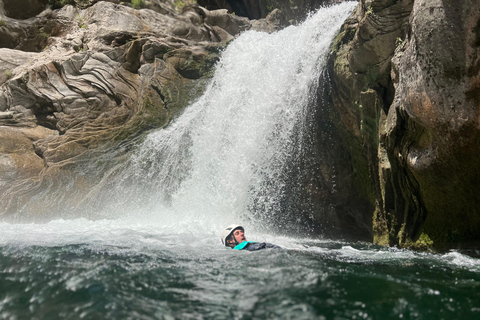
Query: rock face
pixel 78 79
pixel 432 131
pixel 258 9
pixel 406 99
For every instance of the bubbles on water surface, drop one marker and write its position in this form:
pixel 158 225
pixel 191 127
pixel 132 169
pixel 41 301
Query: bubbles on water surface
pixel 112 268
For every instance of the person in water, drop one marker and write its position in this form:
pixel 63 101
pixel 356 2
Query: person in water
pixel 234 237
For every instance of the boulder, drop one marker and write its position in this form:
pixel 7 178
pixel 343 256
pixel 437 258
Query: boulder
pixel 23 9
pixel 11 59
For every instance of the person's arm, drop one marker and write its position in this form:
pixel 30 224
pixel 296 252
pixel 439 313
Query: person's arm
pixel 260 245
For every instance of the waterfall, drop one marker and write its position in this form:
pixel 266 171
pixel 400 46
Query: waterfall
pixel 226 158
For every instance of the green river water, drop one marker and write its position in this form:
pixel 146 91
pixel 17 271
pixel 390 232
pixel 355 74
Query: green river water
pixel 84 269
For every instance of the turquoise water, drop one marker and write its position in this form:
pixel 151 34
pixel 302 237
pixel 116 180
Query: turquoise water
pixel 84 269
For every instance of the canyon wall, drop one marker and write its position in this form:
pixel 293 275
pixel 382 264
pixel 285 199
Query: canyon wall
pixel 405 95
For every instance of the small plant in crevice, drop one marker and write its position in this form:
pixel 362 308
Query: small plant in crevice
pixel 67 2
pixel 369 10
pixel 180 4
pixel 371 76
pixel 80 48
pixel 138 4
pixel 41 37
pixel 81 23
pixel 271 5
pixel 398 42
pixel 8 74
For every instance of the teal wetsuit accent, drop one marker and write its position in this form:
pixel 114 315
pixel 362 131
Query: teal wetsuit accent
pixel 242 245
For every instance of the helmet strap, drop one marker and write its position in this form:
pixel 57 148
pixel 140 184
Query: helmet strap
pixel 232 238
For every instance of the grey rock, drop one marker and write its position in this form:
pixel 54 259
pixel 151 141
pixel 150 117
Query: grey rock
pixel 405 96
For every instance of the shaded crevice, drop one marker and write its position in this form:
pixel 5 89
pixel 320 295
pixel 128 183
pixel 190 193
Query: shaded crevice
pixel 162 97
pixel 403 190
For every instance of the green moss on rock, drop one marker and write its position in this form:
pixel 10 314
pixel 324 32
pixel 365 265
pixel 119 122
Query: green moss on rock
pixel 422 243
pixel 380 230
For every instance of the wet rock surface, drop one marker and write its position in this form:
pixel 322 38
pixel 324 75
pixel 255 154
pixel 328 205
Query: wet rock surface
pixel 405 93
pixel 79 78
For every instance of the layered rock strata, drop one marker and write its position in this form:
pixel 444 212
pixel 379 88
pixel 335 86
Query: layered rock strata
pixel 78 79
pixel 406 99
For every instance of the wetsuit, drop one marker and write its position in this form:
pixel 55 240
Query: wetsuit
pixel 254 246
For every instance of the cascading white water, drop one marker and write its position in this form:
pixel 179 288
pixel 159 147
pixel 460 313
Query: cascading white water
pixel 234 142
